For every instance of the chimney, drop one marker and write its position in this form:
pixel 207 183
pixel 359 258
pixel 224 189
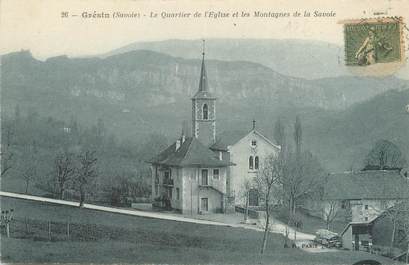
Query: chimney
pixel 184 130
pixel 177 144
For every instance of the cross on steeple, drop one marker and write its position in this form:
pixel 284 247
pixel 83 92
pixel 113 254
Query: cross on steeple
pixel 203 86
pixel 254 124
pixel 203 48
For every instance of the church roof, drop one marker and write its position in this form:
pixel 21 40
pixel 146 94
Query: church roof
pixel 190 153
pixel 229 138
pixel 203 91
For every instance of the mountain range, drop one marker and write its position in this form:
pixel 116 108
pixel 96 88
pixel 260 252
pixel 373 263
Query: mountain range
pixel 299 58
pixel 140 92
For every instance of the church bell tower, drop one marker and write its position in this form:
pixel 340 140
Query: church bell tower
pixel 204 110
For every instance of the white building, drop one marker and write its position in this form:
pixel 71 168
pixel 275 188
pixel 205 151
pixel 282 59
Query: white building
pixel 247 151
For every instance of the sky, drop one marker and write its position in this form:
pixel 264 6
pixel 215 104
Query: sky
pixel 37 25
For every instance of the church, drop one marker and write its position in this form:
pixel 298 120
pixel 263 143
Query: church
pixel 199 174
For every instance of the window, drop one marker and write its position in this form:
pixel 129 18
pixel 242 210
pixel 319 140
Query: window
pixel 156 190
pixel 253 143
pixel 256 162
pixel 216 173
pixel 177 194
pixel 168 174
pixel 205 180
pixel 170 193
pixel 205 112
pixel 250 162
pixel 366 206
pixel 366 218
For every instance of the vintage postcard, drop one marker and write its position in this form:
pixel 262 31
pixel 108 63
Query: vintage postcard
pixel 204 132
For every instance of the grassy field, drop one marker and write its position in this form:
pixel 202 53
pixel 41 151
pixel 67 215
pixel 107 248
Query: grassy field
pixel 310 224
pixel 101 237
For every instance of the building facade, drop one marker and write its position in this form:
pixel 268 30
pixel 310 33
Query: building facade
pixel 247 150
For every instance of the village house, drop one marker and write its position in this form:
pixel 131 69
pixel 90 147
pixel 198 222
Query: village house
pixel 364 196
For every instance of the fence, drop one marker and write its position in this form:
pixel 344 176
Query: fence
pixel 42 230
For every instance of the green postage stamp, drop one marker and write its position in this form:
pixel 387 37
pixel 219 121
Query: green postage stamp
pixel 373 41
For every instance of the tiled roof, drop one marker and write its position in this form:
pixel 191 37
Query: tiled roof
pixel 370 184
pixel 191 153
pixel 225 139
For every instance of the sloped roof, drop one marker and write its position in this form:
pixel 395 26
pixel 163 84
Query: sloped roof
pixel 191 153
pixel 225 139
pixel 370 184
pixel 229 138
pixel 203 91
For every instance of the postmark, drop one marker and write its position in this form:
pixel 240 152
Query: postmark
pixel 374 46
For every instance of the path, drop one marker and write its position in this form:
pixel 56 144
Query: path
pixel 277 226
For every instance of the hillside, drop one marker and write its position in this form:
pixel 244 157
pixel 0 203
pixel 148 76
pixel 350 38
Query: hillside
pixel 141 92
pixel 343 139
pixel 108 238
pixel 299 58
pixel 309 59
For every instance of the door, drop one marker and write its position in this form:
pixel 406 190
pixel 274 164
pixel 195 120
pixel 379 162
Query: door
pixel 205 205
pixel 356 242
pixel 253 197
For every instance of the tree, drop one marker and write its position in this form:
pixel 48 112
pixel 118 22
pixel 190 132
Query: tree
pixel 385 155
pixel 63 172
pixel 298 135
pixel 6 152
pixel 330 212
pixel 86 173
pixel 403 223
pixel 28 174
pixel 279 132
pixel 302 178
pixel 28 170
pixel 272 170
pixel 246 187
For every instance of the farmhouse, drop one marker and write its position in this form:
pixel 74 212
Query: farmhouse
pixel 374 235
pixel 365 195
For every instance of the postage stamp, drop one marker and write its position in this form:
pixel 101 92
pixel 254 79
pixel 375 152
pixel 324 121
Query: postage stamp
pixel 373 41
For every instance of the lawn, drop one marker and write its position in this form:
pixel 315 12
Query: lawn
pixel 101 237
pixel 310 224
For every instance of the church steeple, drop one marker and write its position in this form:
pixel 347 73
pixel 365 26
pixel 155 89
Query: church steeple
pixel 204 109
pixel 203 91
pixel 203 86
